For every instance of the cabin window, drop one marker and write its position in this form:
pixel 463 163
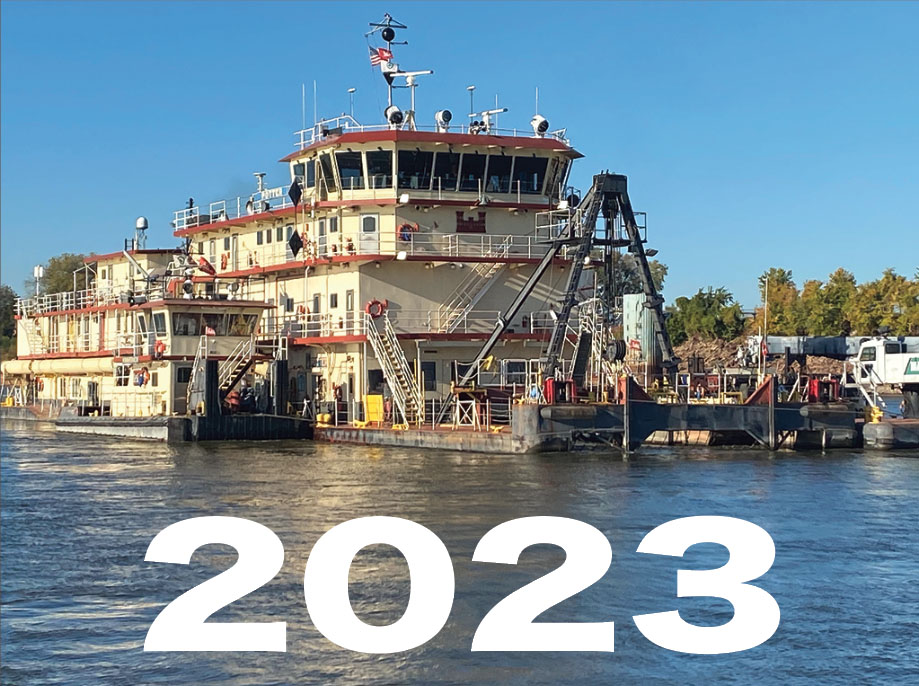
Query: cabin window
pixel 242 324
pixel 415 169
pixel 446 171
pixel 268 235
pixel 200 247
pixel 122 374
pixel 279 234
pixel 869 354
pixel 529 174
pixel 317 300
pixel 288 304
pixel 226 243
pixel 379 168
pixel 154 378
pixel 159 323
pixel 300 172
pixel 185 324
pixel 258 237
pixel 212 251
pixel 473 171
pixel 328 176
pixel 141 323
pixel 892 348
pixel 215 324
pixel 369 223
pixel 333 224
pixel 102 273
pixel 499 174
pixel 333 301
pixel 350 170
pixel 183 374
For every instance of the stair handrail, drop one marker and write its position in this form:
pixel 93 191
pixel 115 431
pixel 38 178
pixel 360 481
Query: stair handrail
pixel 452 310
pixel 242 352
pixel 389 371
pixel 200 356
pixel 408 373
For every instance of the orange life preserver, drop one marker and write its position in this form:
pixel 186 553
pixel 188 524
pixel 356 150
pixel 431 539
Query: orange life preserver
pixel 301 309
pixel 224 260
pixel 159 348
pixel 40 384
pixel 375 308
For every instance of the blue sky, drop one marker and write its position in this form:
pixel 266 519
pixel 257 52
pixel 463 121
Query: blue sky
pixel 754 135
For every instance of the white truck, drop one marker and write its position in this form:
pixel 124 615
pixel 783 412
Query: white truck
pixel 888 362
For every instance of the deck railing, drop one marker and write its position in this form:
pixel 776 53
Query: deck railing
pixel 341 324
pixel 347 124
pixel 399 245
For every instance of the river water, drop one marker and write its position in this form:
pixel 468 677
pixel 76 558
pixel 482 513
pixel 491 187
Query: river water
pixel 79 512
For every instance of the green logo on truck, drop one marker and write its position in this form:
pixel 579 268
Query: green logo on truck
pixel 912 367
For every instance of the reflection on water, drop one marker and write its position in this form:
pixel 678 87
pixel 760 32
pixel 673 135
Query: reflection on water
pixel 79 512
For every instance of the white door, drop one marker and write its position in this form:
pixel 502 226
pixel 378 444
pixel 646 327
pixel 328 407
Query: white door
pixel 370 234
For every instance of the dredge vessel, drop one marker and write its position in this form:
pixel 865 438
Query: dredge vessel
pixel 437 285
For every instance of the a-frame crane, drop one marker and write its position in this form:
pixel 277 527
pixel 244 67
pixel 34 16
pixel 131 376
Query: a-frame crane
pixel 608 195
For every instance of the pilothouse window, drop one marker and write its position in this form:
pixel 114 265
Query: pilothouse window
pixel 529 172
pixel 499 174
pixel 415 169
pixel 446 171
pixel 379 168
pixel 473 171
pixel 328 176
pixel 350 170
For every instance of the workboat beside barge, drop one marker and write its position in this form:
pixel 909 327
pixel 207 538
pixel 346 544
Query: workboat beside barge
pixel 438 286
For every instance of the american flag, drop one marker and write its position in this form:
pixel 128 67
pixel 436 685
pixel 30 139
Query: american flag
pixel 378 55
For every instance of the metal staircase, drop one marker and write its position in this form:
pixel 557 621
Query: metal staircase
pixel 33 336
pixel 472 288
pixel 232 370
pixel 396 369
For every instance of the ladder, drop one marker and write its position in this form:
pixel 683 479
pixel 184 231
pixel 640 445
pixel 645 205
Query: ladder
pixel 396 370
pixel 472 288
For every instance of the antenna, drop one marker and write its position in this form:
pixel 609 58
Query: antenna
pixel 351 98
pixel 471 90
pixel 387 33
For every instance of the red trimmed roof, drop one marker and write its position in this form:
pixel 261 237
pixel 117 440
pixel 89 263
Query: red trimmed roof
pixel 112 255
pixel 532 143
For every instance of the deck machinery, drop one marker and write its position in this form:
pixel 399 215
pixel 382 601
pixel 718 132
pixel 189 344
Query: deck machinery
pixel 608 196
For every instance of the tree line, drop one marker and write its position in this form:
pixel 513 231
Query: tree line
pixel 836 307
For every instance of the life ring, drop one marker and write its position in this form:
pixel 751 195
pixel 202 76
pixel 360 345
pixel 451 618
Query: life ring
pixel 40 384
pixel 376 308
pixel 159 349
pixel 224 260
pixel 301 309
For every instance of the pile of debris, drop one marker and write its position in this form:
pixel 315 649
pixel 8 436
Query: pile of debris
pixel 717 353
